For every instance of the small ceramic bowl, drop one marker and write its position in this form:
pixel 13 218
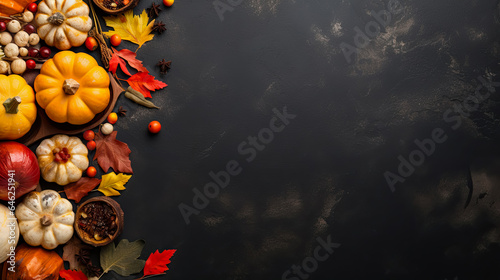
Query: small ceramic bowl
pixel 87 238
pixel 130 5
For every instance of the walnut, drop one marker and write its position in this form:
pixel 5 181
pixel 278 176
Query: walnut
pixel 5 38
pixel 11 50
pixel 21 38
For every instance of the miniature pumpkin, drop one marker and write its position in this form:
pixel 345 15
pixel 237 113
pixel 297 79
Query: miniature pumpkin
pixel 18 112
pixel 62 159
pixel 45 218
pixel 72 88
pixel 9 233
pixel 63 23
pixel 10 7
pixel 34 263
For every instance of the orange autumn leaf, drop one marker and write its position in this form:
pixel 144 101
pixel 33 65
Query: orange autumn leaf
pixel 111 153
pixel 77 190
pixel 144 83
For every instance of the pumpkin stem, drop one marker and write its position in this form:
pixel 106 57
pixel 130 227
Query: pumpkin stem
pixel 11 105
pixel 56 19
pixel 70 86
pixel 46 220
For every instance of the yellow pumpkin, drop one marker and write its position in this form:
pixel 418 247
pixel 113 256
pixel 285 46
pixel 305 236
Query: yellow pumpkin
pixel 72 88
pixel 18 112
pixel 63 23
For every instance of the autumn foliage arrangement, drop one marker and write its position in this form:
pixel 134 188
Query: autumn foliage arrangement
pixel 100 164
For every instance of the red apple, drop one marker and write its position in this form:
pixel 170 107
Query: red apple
pixel 19 171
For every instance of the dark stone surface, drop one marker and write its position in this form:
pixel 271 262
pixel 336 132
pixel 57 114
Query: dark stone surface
pixel 324 173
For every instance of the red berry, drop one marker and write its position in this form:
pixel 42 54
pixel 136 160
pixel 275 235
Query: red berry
pixel 30 64
pixel 91 145
pixel 44 52
pixel 154 127
pixel 88 135
pixel 29 28
pixel 91 43
pixel 91 171
pixel 32 52
pixel 3 26
pixel 33 7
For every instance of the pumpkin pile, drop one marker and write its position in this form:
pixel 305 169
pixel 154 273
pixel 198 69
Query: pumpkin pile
pixel 71 91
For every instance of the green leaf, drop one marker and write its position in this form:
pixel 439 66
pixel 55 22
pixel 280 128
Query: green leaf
pixel 123 259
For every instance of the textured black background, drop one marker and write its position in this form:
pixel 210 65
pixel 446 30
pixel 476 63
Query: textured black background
pixel 323 175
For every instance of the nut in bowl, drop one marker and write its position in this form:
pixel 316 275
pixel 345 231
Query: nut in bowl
pixel 115 6
pixel 99 221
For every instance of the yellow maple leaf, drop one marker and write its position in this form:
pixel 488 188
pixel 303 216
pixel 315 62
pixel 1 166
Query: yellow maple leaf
pixel 131 28
pixel 112 182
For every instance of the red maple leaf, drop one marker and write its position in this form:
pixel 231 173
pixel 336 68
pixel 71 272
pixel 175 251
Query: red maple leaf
pixel 115 61
pixel 77 190
pixel 72 275
pixel 130 57
pixel 143 83
pixel 157 262
pixel 111 153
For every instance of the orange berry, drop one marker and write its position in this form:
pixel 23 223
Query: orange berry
pixel 168 3
pixel 91 171
pixel 112 118
pixel 115 40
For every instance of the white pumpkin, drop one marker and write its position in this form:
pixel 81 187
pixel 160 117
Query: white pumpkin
pixel 45 218
pixel 62 159
pixel 7 221
pixel 63 23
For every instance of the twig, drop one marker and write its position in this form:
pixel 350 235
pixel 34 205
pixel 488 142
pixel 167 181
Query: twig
pixel 144 277
pixel 96 32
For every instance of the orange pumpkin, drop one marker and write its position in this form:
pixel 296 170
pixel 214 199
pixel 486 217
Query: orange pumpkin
pixel 10 7
pixel 33 263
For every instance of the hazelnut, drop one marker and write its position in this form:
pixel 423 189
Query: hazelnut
pixel 18 66
pixel 4 67
pixel 11 50
pixel 107 128
pixel 21 38
pixel 5 38
pixel 23 51
pixel 28 16
pixel 33 39
pixel 14 26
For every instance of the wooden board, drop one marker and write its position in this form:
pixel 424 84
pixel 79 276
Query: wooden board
pixel 44 127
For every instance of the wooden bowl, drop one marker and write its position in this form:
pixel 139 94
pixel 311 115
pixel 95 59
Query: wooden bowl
pixel 84 236
pixel 44 126
pixel 130 5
